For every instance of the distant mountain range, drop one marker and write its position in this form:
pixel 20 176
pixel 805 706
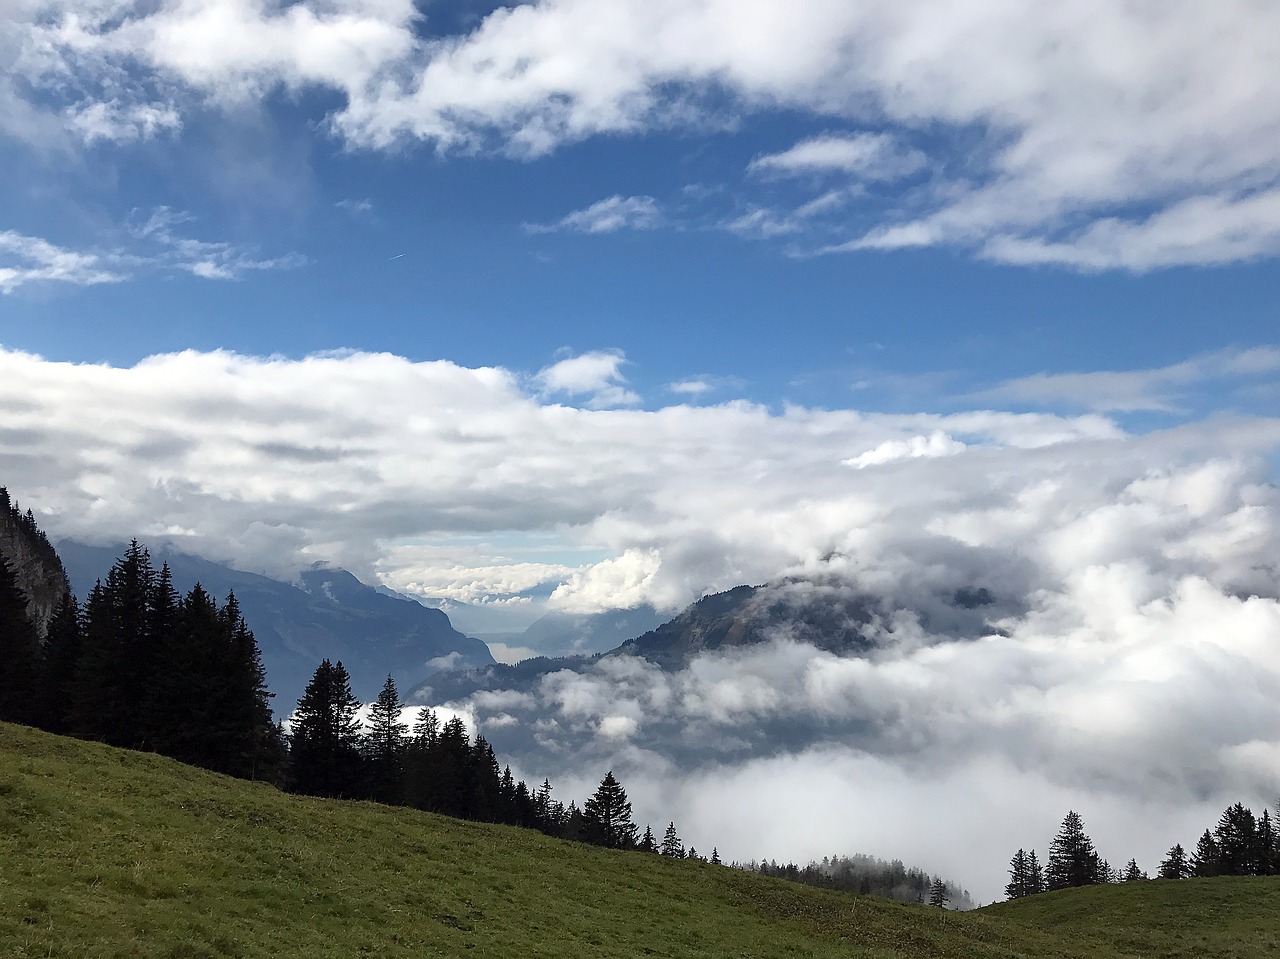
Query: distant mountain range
pixel 827 618
pixel 328 613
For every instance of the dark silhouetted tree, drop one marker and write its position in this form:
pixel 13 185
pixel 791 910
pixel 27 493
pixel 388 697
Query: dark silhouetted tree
pixel 19 652
pixel 324 748
pixel 938 895
pixel 608 815
pixel 671 845
pixel 1175 864
pixel 384 745
pixel 1072 859
pixel 648 843
pixel 1204 861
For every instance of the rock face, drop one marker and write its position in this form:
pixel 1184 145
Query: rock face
pixel 34 562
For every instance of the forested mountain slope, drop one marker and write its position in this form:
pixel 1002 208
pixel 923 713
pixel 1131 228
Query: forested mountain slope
pixel 109 853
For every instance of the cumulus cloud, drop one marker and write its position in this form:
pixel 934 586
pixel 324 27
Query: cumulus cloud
pixel 608 216
pixel 1125 136
pixel 596 375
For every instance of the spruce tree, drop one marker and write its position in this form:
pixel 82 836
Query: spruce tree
pixel 1175 864
pixel 1019 884
pixel 648 843
pixel 1236 836
pixel 1035 874
pixel 715 856
pixel 608 815
pixel 671 845
pixel 1205 861
pixel 384 745
pixel 1132 873
pixel 19 652
pixel 938 895
pixel 324 747
pixel 61 656
pixel 1072 859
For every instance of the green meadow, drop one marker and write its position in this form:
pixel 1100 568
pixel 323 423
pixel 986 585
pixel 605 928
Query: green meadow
pixel 108 853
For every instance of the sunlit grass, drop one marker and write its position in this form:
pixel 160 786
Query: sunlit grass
pixel 107 853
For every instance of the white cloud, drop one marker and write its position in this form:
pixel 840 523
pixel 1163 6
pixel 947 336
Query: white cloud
pixel 1126 666
pixel 121 123
pixel 690 387
pixel 32 259
pixel 597 374
pixel 871 156
pixel 608 216
pixel 1152 390
pixel 1128 136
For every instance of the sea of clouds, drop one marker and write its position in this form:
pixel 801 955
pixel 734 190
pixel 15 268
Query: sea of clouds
pixel 1128 665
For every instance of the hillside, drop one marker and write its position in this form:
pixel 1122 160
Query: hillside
pixel 106 853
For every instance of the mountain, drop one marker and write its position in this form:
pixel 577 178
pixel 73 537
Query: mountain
pixel 35 564
pixel 572 634
pixel 116 853
pixel 327 614
pixel 828 617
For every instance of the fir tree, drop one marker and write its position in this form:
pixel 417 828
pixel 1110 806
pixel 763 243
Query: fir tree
pixel 671 845
pixel 19 651
pixel 1035 874
pixel 324 750
pixel 938 895
pixel 1072 859
pixel 1132 872
pixel 1204 861
pixel 648 843
pixel 715 856
pixel 1236 836
pixel 384 745
pixel 1175 864
pixel 61 656
pixel 608 815
pixel 1020 882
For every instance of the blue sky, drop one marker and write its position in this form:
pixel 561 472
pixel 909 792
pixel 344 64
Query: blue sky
pixel 268 200
pixel 582 305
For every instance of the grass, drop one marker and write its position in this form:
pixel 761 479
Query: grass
pixel 106 853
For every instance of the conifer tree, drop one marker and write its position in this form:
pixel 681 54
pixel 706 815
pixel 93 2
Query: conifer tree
pixel 1020 883
pixel 1265 851
pixel 324 751
pixel 1175 864
pixel 1204 861
pixel 938 895
pixel 1035 874
pixel 61 656
pixel 715 856
pixel 1236 836
pixel 608 815
pixel 384 745
pixel 671 845
pixel 648 843
pixel 19 651
pixel 1072 859
pixel 1132 873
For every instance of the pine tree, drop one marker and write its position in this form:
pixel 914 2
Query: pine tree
pixel 1175 864
pixel 715 856
pixel 1132 872
pixel 1265 846
pixel 324 751
pixel 608 815
pixel 384 745
pixel 1072 859
pixel 938 895
pixel 671 845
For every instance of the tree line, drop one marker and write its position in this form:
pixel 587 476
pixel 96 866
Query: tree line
pixel 141 667
pixel 1241 844
pixel 869 876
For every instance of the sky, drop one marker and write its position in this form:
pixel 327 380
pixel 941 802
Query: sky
pixel 583 305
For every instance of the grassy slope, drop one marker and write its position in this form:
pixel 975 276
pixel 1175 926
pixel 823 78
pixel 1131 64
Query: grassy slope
pixel 107 853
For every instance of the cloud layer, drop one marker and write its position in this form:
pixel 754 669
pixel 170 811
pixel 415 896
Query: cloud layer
pixel 1097 136
pixel 1127 664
